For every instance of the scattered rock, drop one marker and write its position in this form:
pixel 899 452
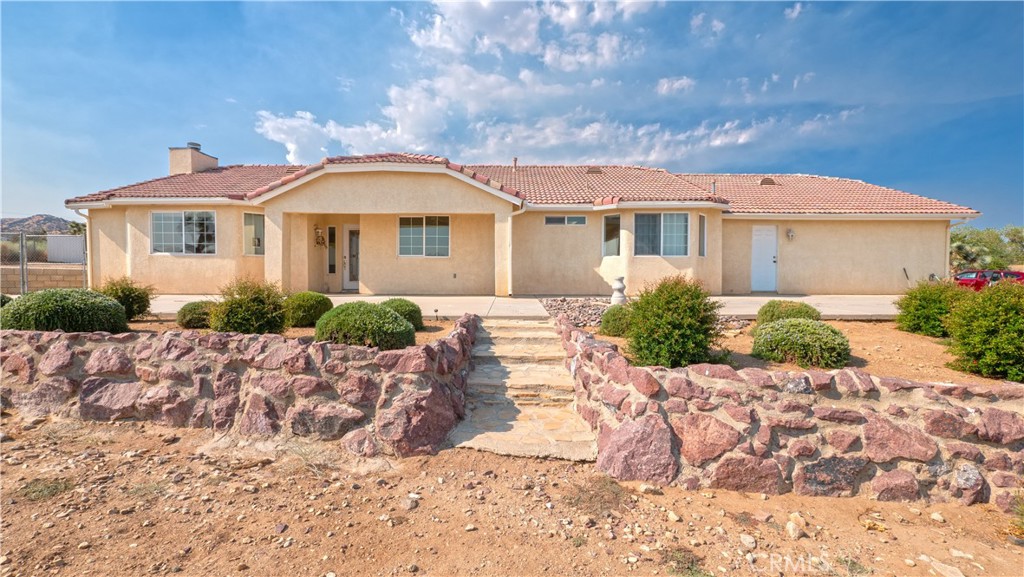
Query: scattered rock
pixel 794 531
pixel 748 541
pixel 937 517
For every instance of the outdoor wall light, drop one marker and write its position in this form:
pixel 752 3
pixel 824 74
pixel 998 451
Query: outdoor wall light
pixel 790 234
pixel 318 236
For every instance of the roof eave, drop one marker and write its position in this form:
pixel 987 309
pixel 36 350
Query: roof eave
pixel 850 216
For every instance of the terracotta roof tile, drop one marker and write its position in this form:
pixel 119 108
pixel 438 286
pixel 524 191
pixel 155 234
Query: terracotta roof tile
pixel 224 182
pixel 808 194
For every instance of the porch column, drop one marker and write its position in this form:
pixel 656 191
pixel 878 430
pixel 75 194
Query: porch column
pixel 277 247
pixel 502 253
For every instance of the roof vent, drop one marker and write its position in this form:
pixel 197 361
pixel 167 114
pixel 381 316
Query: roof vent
pixel 768 181
pixel 293 169
pixel 194 145
pixel 594 170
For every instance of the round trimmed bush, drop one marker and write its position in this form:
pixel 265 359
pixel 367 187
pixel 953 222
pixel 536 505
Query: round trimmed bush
pixel 408 310
pixel 304 308
pixel 69 310
pixel 776 310
pixel 615 321
pixel 4 299
pixel 195 315
pixel 673 324
pixel 133 297
pixel 806 342
pixel 365 324
pixel 923 310
pixel 249 306
pixel 987 332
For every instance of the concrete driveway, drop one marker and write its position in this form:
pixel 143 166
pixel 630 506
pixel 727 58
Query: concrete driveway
pixel 850 307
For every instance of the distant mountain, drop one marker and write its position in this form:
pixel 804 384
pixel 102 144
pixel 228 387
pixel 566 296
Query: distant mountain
pixel 35 224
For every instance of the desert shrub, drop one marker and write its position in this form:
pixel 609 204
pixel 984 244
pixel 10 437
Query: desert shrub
pixel 776 310
pixel 134 297
pixel 615 321
pixel 408 310
pixel 987 332
pixel 4 299
pixel 673 324
pixel 249 306
pixel 805 342
pixel 70 310
pixel 924 308
pixel 365 324
pixel 304 308
pixel 195 315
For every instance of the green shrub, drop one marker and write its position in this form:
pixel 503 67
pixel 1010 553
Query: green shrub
pixel 987 332
pixel 195 315
pixel 133 297
pixel 615 321
pixel 673 324
pixel 776 310
pixel 249 306
pixel 4 299
pixel 69 310
pixel 805 342
pixel 365 324
pixel 408 310
pixel 304 308
pixel 924 308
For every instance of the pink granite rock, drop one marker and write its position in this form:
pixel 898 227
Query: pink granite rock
pixel 359 389
pixel 644 382
pixel 638 450
pixel 260 417
pixel 170 372
pixel 103 400
pixel 361 443
pixel 895 485
pixel 703 437
pixel 999 426
pixel 747 473
pixel 831 476
pixel 409 360
pixel 678 385
pixel 947 425
pixel 46 398
pixel 108 360
pixel 170 348
pixel 613 395
pixel 724 372
pixel 843 441
pixel 837 415
pixel 885 441
pixel 801 448
pixel 325 422
pixel 969 485
pixel 60 357
pixel 964 451
pixel 417 421
pixel 307 386
pixel 757 377
pixel 739 413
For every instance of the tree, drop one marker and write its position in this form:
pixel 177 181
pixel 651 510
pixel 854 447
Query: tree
pixel 986 247
pixel 76 227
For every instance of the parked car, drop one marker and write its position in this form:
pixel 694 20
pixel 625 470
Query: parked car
pixel 979 279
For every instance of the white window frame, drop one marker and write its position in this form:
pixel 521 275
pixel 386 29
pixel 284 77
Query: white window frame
pixel 702 235
pixel 216 227
pixel 661 236
pixel 245 241
pixel 604 236
pixel 560 220
pixel 423 218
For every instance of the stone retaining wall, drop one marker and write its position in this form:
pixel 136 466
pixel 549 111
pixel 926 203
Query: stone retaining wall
pixel 834 433
pixel 401 402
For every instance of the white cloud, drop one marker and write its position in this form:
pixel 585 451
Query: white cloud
pixel 709 32
pixel 822 122
pixel 717 26
pixel 458 27
pixel 696 22
pixel 583 50
pixel 794 12
pixel 683 84
pixel 302 137
pixel 802 79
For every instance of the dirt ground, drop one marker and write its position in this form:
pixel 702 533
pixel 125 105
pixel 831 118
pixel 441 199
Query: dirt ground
pixel 877 347
pixel 433 328
pixel 134 499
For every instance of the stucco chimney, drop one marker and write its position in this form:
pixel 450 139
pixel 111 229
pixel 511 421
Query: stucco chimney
pixel 190 158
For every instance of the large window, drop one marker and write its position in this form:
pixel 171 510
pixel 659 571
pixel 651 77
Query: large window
pixel 665 234
pixel 252 231
pixel 612 228
pixel 187 232
pixel 423 236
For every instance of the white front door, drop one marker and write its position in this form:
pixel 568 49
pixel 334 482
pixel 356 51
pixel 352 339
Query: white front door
pixel 763 258
pixel 350 257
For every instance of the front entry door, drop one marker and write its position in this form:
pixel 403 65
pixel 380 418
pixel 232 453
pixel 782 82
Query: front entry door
pixel 350 258
pixel 763 259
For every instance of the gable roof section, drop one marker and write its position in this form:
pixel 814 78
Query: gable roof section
pixel 808 194
pixel 232 182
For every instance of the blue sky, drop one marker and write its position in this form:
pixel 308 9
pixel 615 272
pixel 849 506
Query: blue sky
pixel 926 97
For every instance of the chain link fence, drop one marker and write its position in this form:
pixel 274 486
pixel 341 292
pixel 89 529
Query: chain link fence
pixel 31 262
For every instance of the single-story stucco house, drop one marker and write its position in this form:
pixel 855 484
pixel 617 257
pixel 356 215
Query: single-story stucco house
pixel 411 224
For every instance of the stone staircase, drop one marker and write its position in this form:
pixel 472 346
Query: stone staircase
pixel 519 395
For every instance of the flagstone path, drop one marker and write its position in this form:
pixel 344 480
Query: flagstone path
pixel 519 395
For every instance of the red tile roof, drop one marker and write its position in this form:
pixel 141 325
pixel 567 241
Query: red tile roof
pixel 571 184
pixel 807 194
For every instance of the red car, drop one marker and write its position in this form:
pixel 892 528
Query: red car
pixel 979 279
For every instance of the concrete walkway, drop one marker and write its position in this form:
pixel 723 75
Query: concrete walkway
pixel 851 307
pixel 519 396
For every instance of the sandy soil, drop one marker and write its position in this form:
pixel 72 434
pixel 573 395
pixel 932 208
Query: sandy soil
pixel 137 499
pixel 877 347
pixel 433 328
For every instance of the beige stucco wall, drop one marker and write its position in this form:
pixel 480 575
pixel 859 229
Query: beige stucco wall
pixel 374 200
pixel 839 257
pixel 128 252
pixel 567 260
